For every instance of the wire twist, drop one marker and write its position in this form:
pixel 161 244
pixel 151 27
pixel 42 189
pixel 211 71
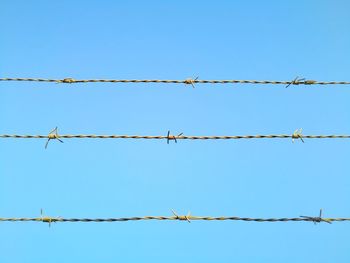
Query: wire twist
pixel 176 217
pixel 54 135
pixel 189 81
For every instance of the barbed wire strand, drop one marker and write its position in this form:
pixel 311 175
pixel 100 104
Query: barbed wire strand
pixel 182 137
pixel 189 81
pixel 53 135
pixel 188 218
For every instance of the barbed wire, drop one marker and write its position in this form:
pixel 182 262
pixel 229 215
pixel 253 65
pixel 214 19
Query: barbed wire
pixel 188 81
pixel 175 216
pixel 297 134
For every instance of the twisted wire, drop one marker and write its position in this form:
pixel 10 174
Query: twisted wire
pixel 186 81
pixel 175 217
pixel 182 137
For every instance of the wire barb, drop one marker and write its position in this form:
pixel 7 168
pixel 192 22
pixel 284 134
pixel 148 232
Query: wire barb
pixel 317 219
pixel 47 219
pixel 297 134
pixel 182 218
pixel 172 137
pixel 53 135
pixel 190 81
pixel 66 80
pixel 296 81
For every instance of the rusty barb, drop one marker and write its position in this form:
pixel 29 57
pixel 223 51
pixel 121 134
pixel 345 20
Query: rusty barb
pixel 53 135
pixel 317 219
pixel 182 218
pixel 170 137
pixel 297 134
pixel 190 81
pixel 303 81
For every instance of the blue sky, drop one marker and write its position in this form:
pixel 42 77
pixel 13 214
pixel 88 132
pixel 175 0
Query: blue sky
pixel 116 178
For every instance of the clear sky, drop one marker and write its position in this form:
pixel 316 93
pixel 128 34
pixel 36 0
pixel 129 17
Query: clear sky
pixel 276 40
